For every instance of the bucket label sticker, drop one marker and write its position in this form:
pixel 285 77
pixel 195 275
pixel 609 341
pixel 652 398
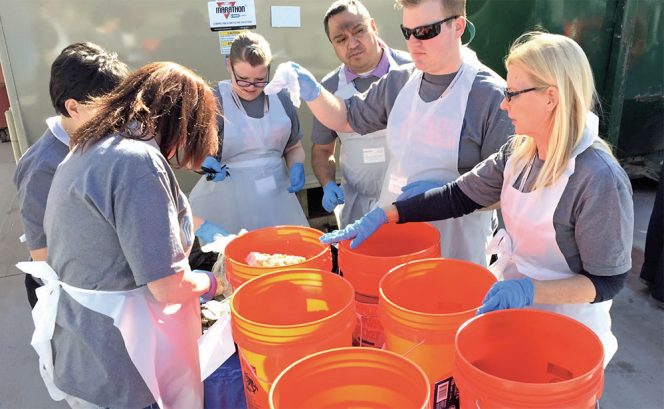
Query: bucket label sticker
pixel 255 395
pixel 368 330
pixel 446 394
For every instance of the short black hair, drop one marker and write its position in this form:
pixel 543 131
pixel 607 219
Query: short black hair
pixel 83 71
pixel 340 6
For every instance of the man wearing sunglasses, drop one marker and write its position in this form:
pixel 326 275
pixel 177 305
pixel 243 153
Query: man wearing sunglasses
pixel 363 158
pixel 442 116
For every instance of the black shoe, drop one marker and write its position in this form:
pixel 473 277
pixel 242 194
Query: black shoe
pixel 645 282
pixel 658 303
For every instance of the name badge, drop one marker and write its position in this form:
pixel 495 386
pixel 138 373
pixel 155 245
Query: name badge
pixel 396 183
pixel 373 155
pixel 266 185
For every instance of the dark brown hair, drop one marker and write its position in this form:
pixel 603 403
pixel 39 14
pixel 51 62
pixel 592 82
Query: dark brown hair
pixel 163 100
pixel 339 7
pixel 83 71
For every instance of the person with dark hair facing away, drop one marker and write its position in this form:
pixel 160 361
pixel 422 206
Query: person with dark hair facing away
pixel 120 324
pixel 81 71
pixel 363 158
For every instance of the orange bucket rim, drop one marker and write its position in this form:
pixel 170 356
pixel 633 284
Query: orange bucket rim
pixel 342 310
pixel 344 246
pixel 375 351
pixel 531 385
pixel 260 268
pixel 383 296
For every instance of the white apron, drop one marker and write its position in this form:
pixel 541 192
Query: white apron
pixel 423 143
pixel 161 339
pixel 363 161
pixel 527 246
pixel 256 192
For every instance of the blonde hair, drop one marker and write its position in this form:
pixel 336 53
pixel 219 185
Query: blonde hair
pixel 453 7
pixel 552 60
pixel 252 48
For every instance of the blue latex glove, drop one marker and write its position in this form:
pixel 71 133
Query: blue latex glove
pixel 214 170
pixel 415 188
pixel 332 196
pixel 508 294
pixel 359 231
pixel 208 231
pixel 309 87
pixel 296 178
pixel 212 291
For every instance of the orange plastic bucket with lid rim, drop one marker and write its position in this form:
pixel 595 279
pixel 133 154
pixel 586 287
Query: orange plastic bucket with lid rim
pixel 391 245
pixel 528 358
pixel 292 240
pixel 422 304
pixel 280 317
pixel 351 378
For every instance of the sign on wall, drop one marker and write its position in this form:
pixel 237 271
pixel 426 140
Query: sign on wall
pixel 232 15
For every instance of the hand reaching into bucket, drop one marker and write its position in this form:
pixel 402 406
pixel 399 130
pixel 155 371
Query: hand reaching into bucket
pixel 508 294
pixel 359 231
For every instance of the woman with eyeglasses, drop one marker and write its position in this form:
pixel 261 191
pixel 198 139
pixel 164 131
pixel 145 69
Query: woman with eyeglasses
pixel 259 146
pixel 565 200
pixel 441 115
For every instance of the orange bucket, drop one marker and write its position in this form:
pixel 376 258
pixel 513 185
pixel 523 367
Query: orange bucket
pixel 392 245
pixel 421 306
pixel 528 359
pixel 351 378
pixel 291 240
pixel 280 317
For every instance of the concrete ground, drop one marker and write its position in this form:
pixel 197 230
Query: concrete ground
pixel 634 379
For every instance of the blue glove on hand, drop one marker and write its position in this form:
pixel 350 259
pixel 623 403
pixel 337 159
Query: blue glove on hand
pixel 208 231
pixel 213 169
pixel 508 294
pixel 360 230
pixel 212 291
pixel 309 87
pixel 296 178
pixel 332 196
pixel 415 188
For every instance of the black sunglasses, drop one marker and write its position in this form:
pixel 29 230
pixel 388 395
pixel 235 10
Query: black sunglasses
pixel 511 94
pixel 425 32
pixel 245 83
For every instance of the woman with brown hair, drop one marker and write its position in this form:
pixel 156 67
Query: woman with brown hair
pixel 119 230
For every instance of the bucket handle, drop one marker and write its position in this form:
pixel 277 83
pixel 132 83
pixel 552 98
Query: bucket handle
pixel 413 347
pixel 251 368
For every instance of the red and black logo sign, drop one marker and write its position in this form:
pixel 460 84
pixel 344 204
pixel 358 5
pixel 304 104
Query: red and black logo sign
pixel 228 7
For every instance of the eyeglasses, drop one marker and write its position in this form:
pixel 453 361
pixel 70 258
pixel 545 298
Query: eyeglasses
pixel 511 94
pixel 246 84
pixel 425 32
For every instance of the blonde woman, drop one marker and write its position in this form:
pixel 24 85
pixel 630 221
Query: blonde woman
pixel 566 202
pixel 261 153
